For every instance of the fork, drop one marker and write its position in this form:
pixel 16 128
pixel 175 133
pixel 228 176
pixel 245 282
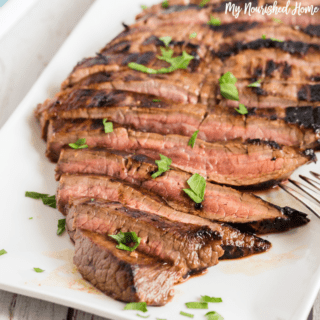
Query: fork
pixel 313 192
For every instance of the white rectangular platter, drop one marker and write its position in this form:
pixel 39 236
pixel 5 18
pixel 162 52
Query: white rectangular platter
pixel 279 285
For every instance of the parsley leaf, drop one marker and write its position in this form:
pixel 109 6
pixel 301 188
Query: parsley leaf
pixel 166 40
pixel 210 299
pixel 255 84
pixel 193 138
pixel 277 20
pixel 180 62
pixel 163 166
pixel 214 21
pixel 197 185
pixel 197 305
pixel 165 4
pixel 108 126
pixel 227 86
pixel 156 100
pixel 126 237
pixel 145 317
pixel 140 306
pixel 264 37
pixel 186 314
pixel 212 315
pixel 30 218
pixel 46 199
pixel 80 144
pixel 242 109
pixel 274 39
pixel 203 3
pixel 143 7
pixel 38 270
pixel 2 252
pixel 192 35
pixel 61 226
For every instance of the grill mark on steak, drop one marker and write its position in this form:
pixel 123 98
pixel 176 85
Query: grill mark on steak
pixel 309 93
pixel 220 204
pixel 78 187
pixel 143 278
pixel 189 246
pixel 313 30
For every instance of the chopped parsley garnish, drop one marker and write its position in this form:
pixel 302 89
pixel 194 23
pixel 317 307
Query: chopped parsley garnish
pixel 165 4
pixel 227 86
pixel 255 84
pixel 143 7
pixel 277 20
pixel 108 126
pixel 156 100
pixel 242 109
pixel 166 40
pixel 140 306
pixel 203 3
pixel 186 314
pixel 80 144
pixel 193 138
pixel 192 35
pixel 126 237
pixel 145 317
pixel 61 226
pixel 214 21
pixel 46 199
pixel 2 252
pixel 212 315
pixel 163 166
pixel 264 37
pixel 210 299
pixel 30 218
pixel 197 305
pixel 180 62
pixel 38 270
pixel 197 185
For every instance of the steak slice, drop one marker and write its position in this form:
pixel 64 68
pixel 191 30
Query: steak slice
pixel 124 276
pixel 230 163
pixel 220 203
pixel 236 243
pixel 188 246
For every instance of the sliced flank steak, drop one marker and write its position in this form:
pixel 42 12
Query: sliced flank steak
pixel 234 243
pixel 189 246
pixel 122 275
pixel 220 203
pixel 231 163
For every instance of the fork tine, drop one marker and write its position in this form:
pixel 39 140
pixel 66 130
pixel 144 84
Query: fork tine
pixel 308 204
pixel 301 186
pixel 316 175
pixel 310 181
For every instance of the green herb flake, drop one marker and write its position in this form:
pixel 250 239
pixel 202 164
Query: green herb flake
pixel 143 7
pixel 186 314
pixel 210 299
pixel 108 126
pixel 192 35
pixel 61 226
pixel 255 84
pixel 197 185
pixel 242 109
pixel 80 144
pixel 277 20
pixel 165 4
pixel 203 3
pixel 141 316
pixel 126 237
pixel 166 40
pixel 274 39
pixel 160 319
pixel 193 138
pixel 212 315
pixel 30 218
pixel 197 305
pixel 264 37
pixel 2 252
pixel 163 166
pixel 139 306
pixel 38 270
pixel 156 100
pixel 180 62
pixel 227 86
pixel 214 21
pixel 46 199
